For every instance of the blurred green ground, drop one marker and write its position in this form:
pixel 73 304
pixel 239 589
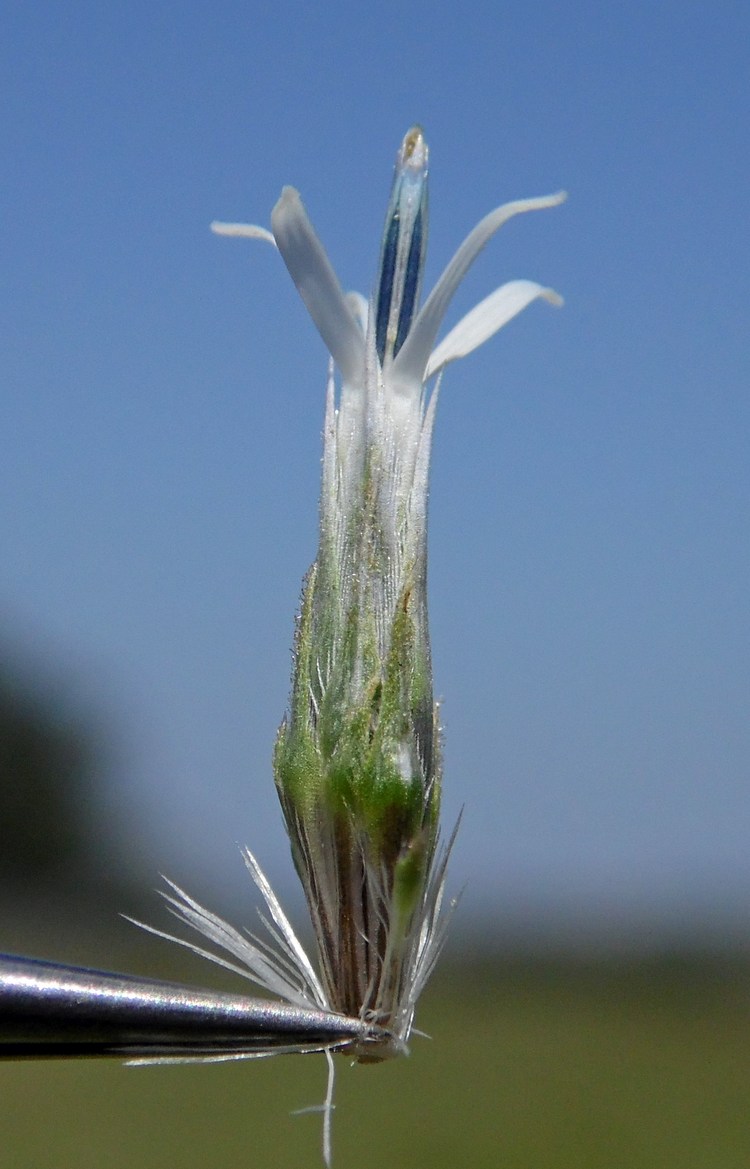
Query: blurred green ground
pixel 532 1065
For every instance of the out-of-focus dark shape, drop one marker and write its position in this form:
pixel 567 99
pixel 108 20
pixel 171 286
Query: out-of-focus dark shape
pixel 46 765
pixel 64 876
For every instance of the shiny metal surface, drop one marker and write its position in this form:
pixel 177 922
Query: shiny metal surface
pixel 51 1010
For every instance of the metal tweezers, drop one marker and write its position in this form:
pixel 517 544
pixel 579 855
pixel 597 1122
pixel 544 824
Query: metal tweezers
pixel 50 1010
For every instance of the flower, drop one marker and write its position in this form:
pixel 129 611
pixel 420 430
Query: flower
pixel 358 761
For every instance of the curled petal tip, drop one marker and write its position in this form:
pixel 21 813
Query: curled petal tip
pixel 243 231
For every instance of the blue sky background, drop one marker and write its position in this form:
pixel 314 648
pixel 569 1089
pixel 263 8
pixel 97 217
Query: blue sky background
pixel 162 396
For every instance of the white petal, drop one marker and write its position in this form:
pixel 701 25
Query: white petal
pixel 317 284
pixel 483 321
pixel 244 230
pixel 409 366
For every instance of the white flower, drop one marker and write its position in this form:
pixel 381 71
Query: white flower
pixel 357 761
